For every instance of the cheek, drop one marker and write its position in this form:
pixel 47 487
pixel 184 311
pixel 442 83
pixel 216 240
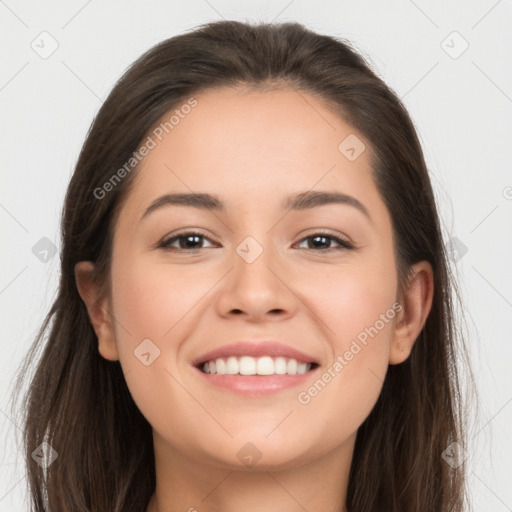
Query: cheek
pixel 350 299
pixel 156 302
pixel 357 308
pixel 151 299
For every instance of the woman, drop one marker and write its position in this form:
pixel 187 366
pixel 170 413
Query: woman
pixel 255 304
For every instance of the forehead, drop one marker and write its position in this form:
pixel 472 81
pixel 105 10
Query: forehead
pixel 247 146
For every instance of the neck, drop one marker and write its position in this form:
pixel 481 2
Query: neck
pixel 184 484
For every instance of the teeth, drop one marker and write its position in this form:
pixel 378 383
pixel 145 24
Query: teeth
pixel 280 365
pixel 302 368
pixel 292 367
pixel 232 366
pixel 247 365
pixel 264 366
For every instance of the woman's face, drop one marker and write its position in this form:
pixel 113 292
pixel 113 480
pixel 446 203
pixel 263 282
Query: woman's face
pixel 256 270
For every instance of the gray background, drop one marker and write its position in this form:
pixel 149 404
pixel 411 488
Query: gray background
pixel 460 100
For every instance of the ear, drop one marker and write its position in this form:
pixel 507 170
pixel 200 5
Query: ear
pixel 416 303
pixel 98 309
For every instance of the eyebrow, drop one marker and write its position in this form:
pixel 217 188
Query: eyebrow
pixel 300 201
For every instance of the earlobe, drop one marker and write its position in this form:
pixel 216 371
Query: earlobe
pixel 98 309
pixel 416 305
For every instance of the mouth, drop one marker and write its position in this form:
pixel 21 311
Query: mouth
pixel 260 366
pixel 255 368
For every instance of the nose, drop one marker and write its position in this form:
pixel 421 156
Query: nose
pixel 259 289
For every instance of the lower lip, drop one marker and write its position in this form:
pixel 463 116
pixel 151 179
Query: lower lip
pixel 256 384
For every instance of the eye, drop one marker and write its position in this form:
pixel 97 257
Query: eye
pixel 192 241
pixel 186 241
pixel 320 240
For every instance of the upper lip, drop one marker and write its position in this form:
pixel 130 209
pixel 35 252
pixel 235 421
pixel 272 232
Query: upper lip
pixel 255 349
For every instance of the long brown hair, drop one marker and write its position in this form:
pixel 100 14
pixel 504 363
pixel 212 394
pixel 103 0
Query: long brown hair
pixel 79 403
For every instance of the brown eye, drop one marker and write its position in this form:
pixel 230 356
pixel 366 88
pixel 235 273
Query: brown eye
pixel 186 241
pixel 323 241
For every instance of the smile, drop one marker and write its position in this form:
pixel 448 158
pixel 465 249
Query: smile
pixel 247 365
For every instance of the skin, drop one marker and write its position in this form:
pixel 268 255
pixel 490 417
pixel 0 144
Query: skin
pixel 252 149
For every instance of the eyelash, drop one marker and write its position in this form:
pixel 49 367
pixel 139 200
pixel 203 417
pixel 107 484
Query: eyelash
pixel 343 244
